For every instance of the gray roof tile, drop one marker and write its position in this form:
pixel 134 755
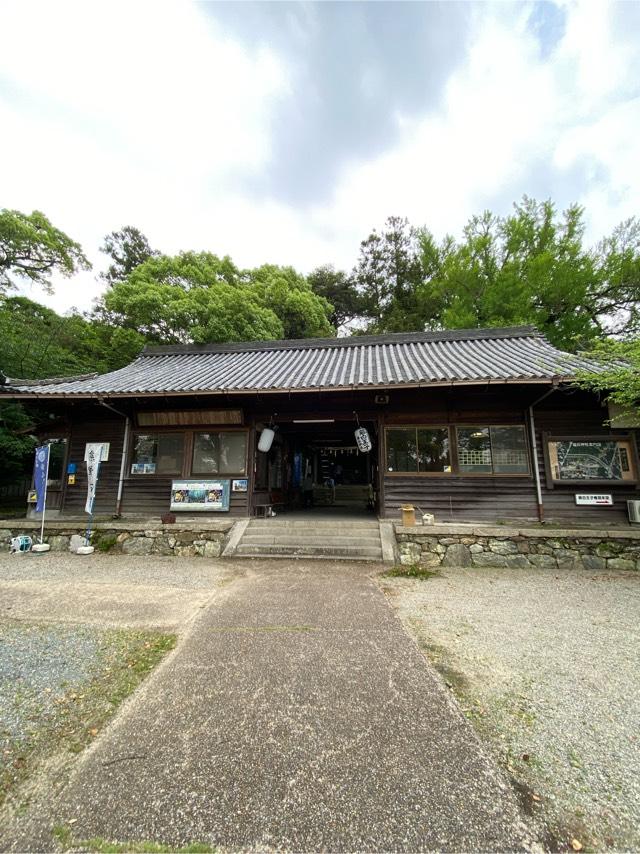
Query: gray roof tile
pixel 517 354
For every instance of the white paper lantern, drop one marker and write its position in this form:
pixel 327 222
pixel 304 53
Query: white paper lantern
pixel 266 440
pixel 363 440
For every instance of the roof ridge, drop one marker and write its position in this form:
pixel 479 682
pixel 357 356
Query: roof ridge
pixel 484 334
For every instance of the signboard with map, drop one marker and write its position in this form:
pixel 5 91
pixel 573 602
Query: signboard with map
pixel 590 460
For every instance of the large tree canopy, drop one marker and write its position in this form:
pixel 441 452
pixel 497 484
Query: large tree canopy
pixel 203 298
pixel 32 249
pixel 531 267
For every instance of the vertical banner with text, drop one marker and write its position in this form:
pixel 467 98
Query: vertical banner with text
pixel 40 472
pixel 95 453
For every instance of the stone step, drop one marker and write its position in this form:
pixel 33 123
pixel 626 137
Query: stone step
pixel 316 524
pixel 279 550
pixel 274 556
pixel 310 539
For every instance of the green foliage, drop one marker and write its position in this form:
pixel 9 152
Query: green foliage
pixel 527 268
pixel 414 570
pixel 530 267
pixel 36 342
pixel 620 378
pixel 339 289
pixel 99 845
pixel 387 276
pixel 127 248
pixel 282 290
pixel 202 298
pixel 16 441
pixel 103 542
pixel 31 249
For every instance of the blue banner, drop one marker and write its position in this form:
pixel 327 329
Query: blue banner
pixel 40 472
pixel 297 470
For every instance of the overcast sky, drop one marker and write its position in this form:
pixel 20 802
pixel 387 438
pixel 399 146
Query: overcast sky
pixel 285 132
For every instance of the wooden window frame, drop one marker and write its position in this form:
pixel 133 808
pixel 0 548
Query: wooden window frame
pixel 416 427
pixel 187 458
pixel 630 437
pixel 216 429
pixel 453 451
pixel 527 443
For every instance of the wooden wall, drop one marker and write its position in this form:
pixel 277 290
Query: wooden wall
pixel 477 498
pixel 150 496
pixel 141 495
pixel 450 498
pixel 100 426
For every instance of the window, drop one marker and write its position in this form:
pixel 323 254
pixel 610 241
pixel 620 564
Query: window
pixel 492 450
pixel 591 459
pixel 418 449
pixel 57 454
pixel 219 453
pixel 157 453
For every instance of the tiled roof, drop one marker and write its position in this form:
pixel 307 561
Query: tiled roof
pixel 465 356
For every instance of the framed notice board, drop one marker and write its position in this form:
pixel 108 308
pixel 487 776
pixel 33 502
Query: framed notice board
pixel 208 495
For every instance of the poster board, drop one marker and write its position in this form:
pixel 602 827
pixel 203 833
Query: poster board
pixel 194 495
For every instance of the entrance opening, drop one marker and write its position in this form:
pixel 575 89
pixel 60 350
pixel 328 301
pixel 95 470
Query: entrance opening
pixel 315 468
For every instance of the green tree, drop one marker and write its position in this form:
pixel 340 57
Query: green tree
pixel 127 248
pixel 36 342
pixel 387 276
pixel 202 298
pixel 284 291
pixel 339 289
pixel 191 297
pixel 619 377
pixel 527 268
pixel 32 249
pixel 16 441
pixel 617 265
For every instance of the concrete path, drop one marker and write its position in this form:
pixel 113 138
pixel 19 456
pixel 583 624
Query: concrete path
pixel 296 714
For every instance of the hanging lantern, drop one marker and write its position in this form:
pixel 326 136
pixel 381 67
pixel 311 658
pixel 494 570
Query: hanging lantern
pixel 363 440
pixel 266 440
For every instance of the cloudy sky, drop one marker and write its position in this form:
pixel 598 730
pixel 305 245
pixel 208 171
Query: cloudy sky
pixel 285 132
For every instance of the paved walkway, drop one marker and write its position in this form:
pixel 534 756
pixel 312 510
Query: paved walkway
pixel 296 714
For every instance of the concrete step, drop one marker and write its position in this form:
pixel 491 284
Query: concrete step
pixel 316 524
pixel 272 556
pixel 279 550
pixel 310 539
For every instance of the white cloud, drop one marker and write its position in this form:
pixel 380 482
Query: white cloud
pixel 147 115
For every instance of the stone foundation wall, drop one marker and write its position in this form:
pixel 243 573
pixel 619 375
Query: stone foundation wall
pixel 147 538
pixel 466 545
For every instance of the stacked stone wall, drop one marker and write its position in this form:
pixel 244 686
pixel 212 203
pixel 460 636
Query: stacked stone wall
pixel 180 540
pixel 464 546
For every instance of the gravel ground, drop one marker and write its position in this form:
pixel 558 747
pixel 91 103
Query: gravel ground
pixel 547 665
pixel 37 664
pixel 196 573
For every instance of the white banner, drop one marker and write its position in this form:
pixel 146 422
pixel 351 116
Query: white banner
pixel 94 454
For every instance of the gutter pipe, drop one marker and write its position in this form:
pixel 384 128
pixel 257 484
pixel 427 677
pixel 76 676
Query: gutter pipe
pixel 534 449
pixel 123 459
